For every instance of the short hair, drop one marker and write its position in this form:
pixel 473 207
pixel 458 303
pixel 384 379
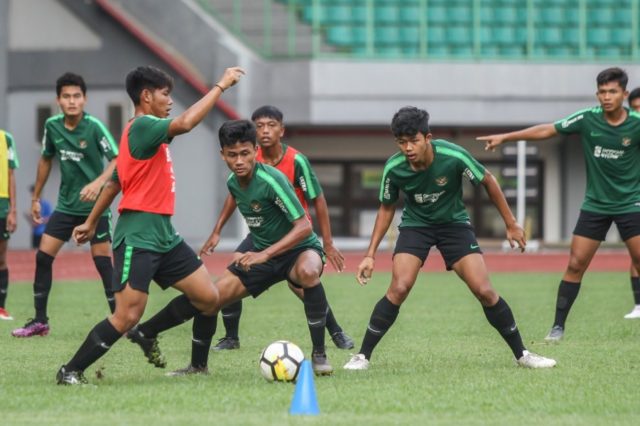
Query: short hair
pixel 146 77
pixel 635 94
pixel 236 131
pixel 613 74
pixel 409 121
pixel 70 79
pixel 267 111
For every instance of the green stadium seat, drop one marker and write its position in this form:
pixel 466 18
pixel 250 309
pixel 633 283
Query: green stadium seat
pixel 359 14
pixel 572 16
pixel 462 51
pixel 410 35
pixel 359 34
pixel 622 16
pixel 549 36
pixel 507 15
pixel 487 15
pixel 438 51
pixel 621 37
pixel 387 14
pixel 436 34
pixel 338 15
pixel 561 52
pixel 459 35
pixel 340 35
pixel 598 37
pixel 459 15
pixel 571 35
pixel 486 35
pixel 550 16
pixel 521 34
pixel 503 35
pixel 389 51
pixel 388 35
pixel 608 52
pixel 512 51
pixel 409 15
pixel 437 15
pixel 490 51
pixel 600 16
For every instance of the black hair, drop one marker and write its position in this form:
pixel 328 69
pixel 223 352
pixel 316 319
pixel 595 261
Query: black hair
pixel 613 74
pixel 146 77
pixel 236 131
pixel 635 94
pixel 409 121
pixel 70 79
pixel 267 111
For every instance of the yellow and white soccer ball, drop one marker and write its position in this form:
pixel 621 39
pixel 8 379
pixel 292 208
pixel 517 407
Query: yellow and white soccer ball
pixel 281 361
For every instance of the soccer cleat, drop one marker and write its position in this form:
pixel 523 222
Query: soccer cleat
pixel 149 346
pixel 555 334
pixel 320 364
pixel 635 313
pixel 4 315
pixel 33 327
pixel 531 360
pixel 342 340
pixel 357 362
pixel 226 343
pixel 188 371
pixel 65 377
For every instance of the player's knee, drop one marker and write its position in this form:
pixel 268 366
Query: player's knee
pixel 576 266
pixel 486 295
pixel 307 274
pixel 43 259
pixel 398 292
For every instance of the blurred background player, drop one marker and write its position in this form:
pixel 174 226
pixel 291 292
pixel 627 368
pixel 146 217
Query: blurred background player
pixel 37 229
pixel 79 141
pixel 634 104
pixel 610 136
pixel 8 220
pixel 295 166
pixel 430 174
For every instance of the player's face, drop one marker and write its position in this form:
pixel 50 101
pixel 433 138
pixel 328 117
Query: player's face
pixel 270 131
pixel 611 96
pixel 635 104
pixel 240 158
pixel 160 102
pixel 415 147
pixel 71 101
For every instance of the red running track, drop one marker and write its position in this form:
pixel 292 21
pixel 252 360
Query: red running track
pixel 77 265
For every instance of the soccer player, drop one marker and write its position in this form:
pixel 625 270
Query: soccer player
pixel 147 247
pixel 610 136
pixel 8 220
pixel 282 247
pixel 79 142
pixel 430 173
pixel 634 104
pixel 269 123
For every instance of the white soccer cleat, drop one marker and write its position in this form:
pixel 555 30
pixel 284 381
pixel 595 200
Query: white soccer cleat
pixel 634 314
pixel 531 360
pixel 357 362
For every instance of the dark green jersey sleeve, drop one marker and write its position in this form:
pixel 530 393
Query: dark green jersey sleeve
pixel 389 191
pixel 105 140
pixel 146 134
pixel 282 194
pixel 471 168
pixel 48 147
pixel 305 178
pixel 571 124
pixel 14 162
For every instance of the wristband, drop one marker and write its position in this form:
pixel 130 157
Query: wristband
pixel 219 87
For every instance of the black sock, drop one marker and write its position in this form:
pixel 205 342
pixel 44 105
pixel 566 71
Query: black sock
pixel 4 286
pixel 42 284
pixel 105 269
pixel 315 308
pixel 567 293
pixel 97 343
pixel 179 310
pixel 231 319
pixel 501 318
pixel 332 325
pixel 204 328
pixel 382 318
pixel 635 287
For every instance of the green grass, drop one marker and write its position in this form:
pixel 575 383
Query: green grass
pixel 441 363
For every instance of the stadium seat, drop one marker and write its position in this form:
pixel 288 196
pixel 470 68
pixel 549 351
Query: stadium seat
pixel 386 36
pixel 436 15
pixel 571 35
pixel 459 35
pixel 360 35
pixel 409 35
pixel 503 35
pixel 550 16
pixel 622 16
pixel 549 36
pixel 512 51
pixel 621 37
pixel 386 14
pixel 506 15
pixel 409 15
pixel 459 15
pixel 436 34
pixel 598 37
pixel 600 16
pixel 359 15
pixel 572 16
pixel 338 15
pixel 340 35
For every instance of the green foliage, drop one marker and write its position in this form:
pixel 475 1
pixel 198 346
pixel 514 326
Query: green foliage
pixel 441 363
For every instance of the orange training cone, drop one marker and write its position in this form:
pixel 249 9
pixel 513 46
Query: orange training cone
pixel 304 401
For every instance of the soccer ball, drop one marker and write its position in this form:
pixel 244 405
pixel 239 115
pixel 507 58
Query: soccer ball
pixel 281 361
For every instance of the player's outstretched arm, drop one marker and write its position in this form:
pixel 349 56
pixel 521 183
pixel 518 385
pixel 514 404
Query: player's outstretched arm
pixel 196 112
pixel 333 254
pixel 83 233
pixel 44 168
pixel 534 133
pixel 515 233
pixel 383 221
pixel 227 210
pixel 91 190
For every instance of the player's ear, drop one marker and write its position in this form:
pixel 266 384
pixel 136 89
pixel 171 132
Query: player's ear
pixel 145 96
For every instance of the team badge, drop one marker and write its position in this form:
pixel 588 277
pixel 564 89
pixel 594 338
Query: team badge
pixel 442 181
pixel 83 144
pixel 255 206
pixel 626 141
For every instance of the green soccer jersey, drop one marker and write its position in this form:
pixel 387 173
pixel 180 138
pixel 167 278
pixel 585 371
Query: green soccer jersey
pixel 269 206
pixel 612 159
pixel 432 196
pixel 80 152
pixel 149 231
pixel 11 155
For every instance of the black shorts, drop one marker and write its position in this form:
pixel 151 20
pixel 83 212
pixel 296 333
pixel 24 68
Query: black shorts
pixel 61 226
pixel 139 266
pixel 246 245
pixel 260 277
pixel 454 241
pixel 596 225
pixel 4 234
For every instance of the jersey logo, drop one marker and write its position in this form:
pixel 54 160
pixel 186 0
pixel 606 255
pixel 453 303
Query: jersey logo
pixel 607 153
pixel 255 206
pixel 626 141
pixel 83 144
pixel 58 140
pixel 427 198
pixel 595 134
pixel 442 181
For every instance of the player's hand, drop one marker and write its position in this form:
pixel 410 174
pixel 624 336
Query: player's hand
pixel 251 258
pixel 335 257
pixel 230 77
pixel 515 236
pixel 365 270
pixel 491 141
pixel 83 233
pixel 12 222
pixel 210 245
pixel 35 212
pixel 90 192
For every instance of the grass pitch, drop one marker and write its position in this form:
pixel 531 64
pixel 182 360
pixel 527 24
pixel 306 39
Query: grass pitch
pixel 441 363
